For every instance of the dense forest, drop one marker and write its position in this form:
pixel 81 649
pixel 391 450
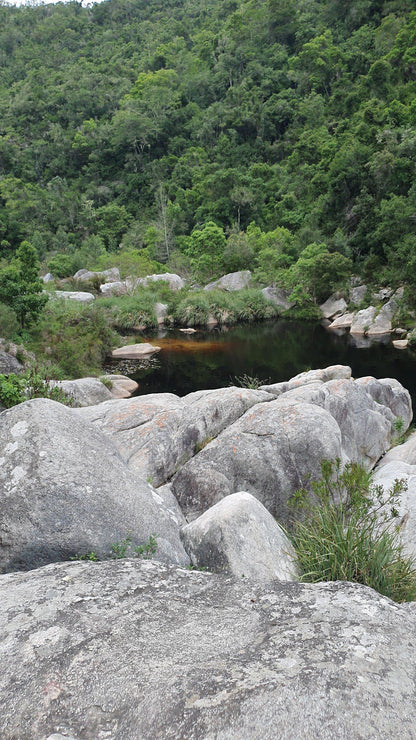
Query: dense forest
pixel 211 136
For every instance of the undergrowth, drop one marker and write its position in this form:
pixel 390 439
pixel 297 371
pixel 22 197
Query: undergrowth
pixel 347 532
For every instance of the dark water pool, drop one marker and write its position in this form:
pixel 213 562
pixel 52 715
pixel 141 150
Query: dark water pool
pixel 272 351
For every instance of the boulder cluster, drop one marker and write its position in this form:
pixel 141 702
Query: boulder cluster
pixel 373 321
pixel 213 637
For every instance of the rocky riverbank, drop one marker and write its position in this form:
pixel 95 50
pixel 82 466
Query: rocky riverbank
pixel 129 648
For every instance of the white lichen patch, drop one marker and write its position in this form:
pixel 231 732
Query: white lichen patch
pixel 17 475
pixel 11 447
pixel 19 429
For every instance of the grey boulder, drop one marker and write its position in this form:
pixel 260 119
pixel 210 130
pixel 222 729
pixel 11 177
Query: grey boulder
pixel 74 295
pixel 363 320
pixel 126 650
pixel 231 282
pixel 109 276
pixel 274 448
pixel 278 296
pixel 157 433
pixel 334 306
pixel 239 536
pixel 174 281
pixel 9 364
pixel 83 391
pixel 268 452
pixel 64 490
pixel 114 289
pixel 357 294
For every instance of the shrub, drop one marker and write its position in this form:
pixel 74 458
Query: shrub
pixel 347 533
pixel 61 265
pixel 129 313
pixel 193 310
pixel 251 306
pixel 9 325
pixel 15 389
pixel 76 338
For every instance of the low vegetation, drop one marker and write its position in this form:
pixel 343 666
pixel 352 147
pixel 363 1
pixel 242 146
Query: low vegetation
pixel 347 532
pixel 15 389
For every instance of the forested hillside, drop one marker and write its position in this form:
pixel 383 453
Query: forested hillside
pixel 216 134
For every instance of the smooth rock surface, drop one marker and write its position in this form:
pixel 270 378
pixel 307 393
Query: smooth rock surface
pixel 121 385
pixel 342 322
pixel 231 282
pixel 65 490
pixel 239 536
pixel 175 281
pixel 389 393
pixel 269 452
pixel 273 448
pixel 75 295
pixel 129 650
pixel 357 294
pixel 135 351
pixel 9 364
pixel 117 288
pixel 157 433
pixel 109 276
pixel 333 372
pixel 83 391
pixel 278 296
pixel 335 305
pixel 400 343
pixel 363 320
pixel 161 311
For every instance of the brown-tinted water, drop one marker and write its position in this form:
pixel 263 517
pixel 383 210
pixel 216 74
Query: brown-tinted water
pixel 271 351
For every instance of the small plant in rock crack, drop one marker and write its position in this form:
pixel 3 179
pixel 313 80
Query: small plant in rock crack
pixel 347 532
pixel 148 548
pixel 91 557
pixel 124 549
pixel 249 381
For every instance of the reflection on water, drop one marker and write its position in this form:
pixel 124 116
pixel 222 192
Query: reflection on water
pixel 272 351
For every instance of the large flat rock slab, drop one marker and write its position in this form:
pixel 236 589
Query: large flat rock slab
pixel 127 650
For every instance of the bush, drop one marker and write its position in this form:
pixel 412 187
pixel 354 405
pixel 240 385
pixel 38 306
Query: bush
pixel 347 534
pixel 15 389
pixel 131 313
pixel 193 310
pixel 251 306
pixel 61 265
pixel 76 338
pixel 9 325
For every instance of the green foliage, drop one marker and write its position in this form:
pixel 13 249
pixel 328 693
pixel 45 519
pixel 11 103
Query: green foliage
pixel 9 325
pixel 193 310
pixel 347 535
pixel 147 549
pixel 124 548
pixel 61 265
pixel 74 338
pixel 132 313
pixel 20 286
pixel 316 274
pixel 15 389
pixel 91 557
pixel 205 248
pixel 200 119
pixel 249 381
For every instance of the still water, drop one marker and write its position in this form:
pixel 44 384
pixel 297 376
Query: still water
pixel 272 351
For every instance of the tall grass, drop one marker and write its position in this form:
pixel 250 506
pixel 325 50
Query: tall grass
pixel 346 533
